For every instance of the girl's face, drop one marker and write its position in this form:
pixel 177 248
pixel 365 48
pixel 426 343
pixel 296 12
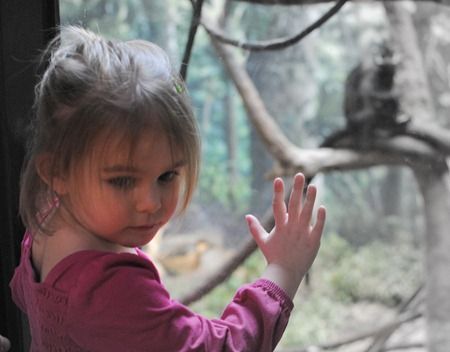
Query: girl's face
pixel 123 198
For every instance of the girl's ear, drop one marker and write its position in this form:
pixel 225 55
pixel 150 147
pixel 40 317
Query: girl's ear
pixel 44 169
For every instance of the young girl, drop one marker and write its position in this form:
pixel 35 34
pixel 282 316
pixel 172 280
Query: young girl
pixel 113 156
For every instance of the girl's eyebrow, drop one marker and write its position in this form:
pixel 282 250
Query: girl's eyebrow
pixel 132 169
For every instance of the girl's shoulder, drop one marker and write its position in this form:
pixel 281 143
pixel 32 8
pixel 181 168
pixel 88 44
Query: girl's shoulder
pixel 86 267
pixel 81 271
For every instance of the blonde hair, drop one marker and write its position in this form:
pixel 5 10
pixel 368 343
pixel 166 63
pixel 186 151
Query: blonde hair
pixel 93 86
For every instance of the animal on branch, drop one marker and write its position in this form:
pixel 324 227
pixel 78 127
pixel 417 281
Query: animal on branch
pixel 371 103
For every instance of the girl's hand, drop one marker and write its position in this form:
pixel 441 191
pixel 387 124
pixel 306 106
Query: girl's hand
pixel 291 247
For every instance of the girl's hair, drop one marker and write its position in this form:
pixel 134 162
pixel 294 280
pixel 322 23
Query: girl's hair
pixel 95 87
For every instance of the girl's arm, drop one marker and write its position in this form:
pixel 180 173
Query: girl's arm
pixel 291 247
pixel 119 304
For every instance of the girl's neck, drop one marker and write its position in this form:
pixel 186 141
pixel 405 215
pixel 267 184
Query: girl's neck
pixel 79 238
pixel 68 238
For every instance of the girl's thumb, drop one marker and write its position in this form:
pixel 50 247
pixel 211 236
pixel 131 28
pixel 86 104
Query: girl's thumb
pixel 255 228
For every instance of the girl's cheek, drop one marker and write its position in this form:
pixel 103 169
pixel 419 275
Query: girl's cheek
pixel 176 195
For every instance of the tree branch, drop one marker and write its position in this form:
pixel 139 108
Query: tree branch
pixel 435 136
pixel 379 340
pixel 195 20
pixel 274 44
pixel 403 347
pixel 402 150
pixel 313 2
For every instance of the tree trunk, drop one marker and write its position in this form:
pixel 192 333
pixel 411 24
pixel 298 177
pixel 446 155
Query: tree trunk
pixel 414 88
pixel 434 183
pixel 391 192
pixel 435 52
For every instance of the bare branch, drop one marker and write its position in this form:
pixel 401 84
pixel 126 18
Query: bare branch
pixel 312 2
pixel 404 347
pixel 290 158
pixel 195 20
pixel 274 44
pixel 379 340
pixel 434 135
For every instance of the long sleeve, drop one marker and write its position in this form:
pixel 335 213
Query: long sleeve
pixel 121 305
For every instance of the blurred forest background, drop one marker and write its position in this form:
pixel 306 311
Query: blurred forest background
pixel 371 260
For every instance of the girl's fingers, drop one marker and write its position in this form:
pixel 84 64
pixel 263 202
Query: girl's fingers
pixel 278 204
pixel 295 199
pixel 306 214
pixel 320 222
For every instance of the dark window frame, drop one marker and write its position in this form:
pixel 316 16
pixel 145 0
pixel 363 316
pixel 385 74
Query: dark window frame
pixel 25 28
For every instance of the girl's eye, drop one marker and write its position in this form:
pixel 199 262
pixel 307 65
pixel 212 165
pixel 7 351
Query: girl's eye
pixel 168 176
pixel 124 182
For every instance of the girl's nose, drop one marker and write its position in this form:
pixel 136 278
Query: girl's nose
pixel 149 201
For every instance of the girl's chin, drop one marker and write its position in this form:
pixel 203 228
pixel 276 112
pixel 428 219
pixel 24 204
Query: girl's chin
pixel 141 241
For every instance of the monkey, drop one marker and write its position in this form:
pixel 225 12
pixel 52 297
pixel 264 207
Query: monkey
pixel 371 99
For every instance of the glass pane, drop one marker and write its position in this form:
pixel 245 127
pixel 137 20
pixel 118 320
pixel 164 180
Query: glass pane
pixel 373 245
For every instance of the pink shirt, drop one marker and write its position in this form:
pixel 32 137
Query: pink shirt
pixel 100 301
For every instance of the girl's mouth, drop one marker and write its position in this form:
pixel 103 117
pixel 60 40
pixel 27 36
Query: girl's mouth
pixel 145 227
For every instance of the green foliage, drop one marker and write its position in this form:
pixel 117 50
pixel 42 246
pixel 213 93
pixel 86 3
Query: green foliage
pixel 313 321
pixel 377 273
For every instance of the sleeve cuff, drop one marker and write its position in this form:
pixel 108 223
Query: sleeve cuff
pixel 275 292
